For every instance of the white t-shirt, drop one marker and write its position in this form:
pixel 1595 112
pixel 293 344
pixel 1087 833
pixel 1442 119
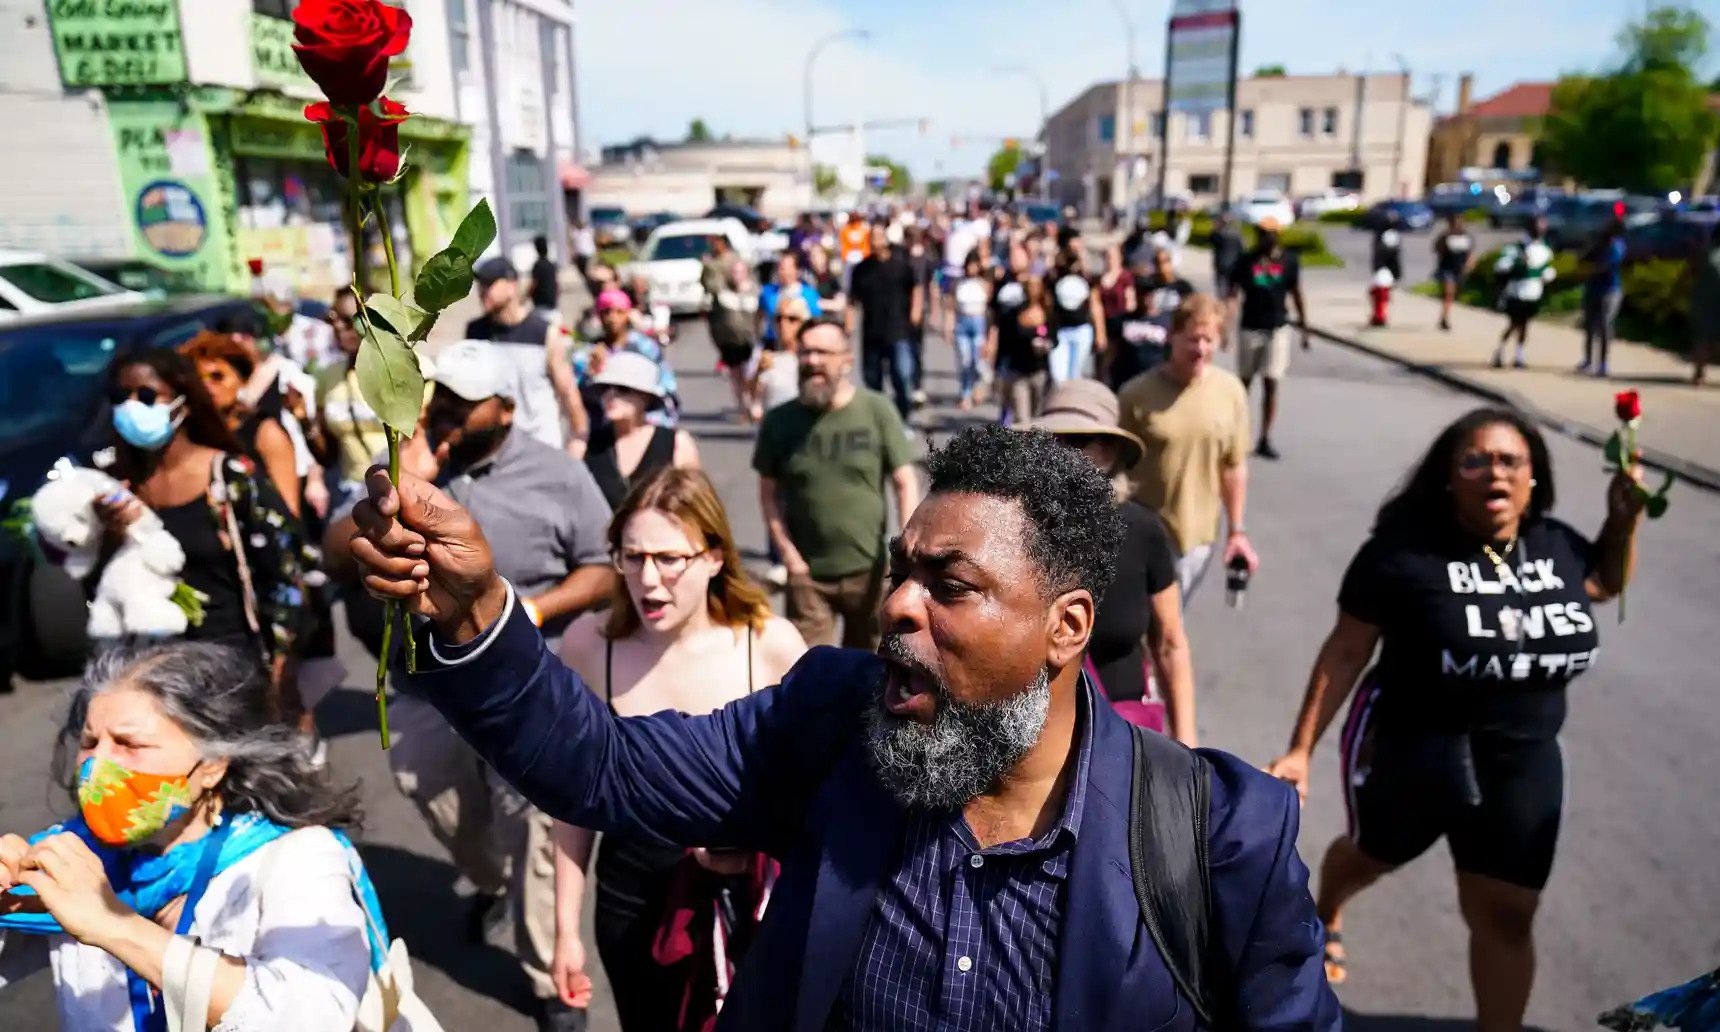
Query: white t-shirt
pixel 962 238
pixel 971 296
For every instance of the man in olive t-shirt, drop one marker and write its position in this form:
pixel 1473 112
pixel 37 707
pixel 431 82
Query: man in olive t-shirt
pixel 823 460
pixel 1193 419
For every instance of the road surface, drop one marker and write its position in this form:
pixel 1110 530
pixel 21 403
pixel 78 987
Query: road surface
pixel 1632 901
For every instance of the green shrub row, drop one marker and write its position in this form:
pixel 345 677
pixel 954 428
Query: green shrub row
pixel 1305 239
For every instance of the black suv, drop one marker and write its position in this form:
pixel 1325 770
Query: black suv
pixel 52 371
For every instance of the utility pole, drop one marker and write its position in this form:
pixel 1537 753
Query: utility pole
pixel 1231 113
pixel 1126 137
pixel 1402 129
pixel 1356 136
pixel 1044 123
pixel 811 56
pixel 1165 118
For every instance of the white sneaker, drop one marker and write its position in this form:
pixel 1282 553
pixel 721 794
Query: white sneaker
pixel 777 575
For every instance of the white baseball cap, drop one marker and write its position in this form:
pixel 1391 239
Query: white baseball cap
pixel 633 371
pixel 474 370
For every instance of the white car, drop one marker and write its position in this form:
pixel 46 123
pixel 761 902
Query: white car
pixel 1316 205
pixel 31 283
pixel 671 260
pixel 1264 204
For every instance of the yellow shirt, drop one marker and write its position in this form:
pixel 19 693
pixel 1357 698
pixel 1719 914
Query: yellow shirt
pixel 358 433
pixel 1192 435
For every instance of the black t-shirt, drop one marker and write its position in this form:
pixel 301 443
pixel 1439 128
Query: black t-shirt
pixel 1071 298
pixel 530 330
pixel 1146 565
pixel 1453 251
pixel 1008 298
pixel 1168 293
pixel 1466 647
pixel 546 289
pixel 925 266
pixel 1226 249
pixel 211 569
pixel 1388 250
pixel 1266 282
pixel 1143 342
pixel 884 289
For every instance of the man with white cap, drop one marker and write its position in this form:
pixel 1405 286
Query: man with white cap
pixel 548 520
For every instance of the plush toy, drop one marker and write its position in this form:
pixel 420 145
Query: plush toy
pixel 139 592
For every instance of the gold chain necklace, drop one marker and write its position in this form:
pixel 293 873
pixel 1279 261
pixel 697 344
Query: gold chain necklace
pixel 1498 558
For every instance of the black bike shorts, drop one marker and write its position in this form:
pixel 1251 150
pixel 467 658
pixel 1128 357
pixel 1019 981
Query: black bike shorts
pixel 1497 802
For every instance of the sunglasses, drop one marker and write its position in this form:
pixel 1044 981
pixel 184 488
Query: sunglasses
pixel 1475 465
pixel 670 565
pixel 119 396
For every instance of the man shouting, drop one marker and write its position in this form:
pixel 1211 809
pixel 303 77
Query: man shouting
pixel 954 814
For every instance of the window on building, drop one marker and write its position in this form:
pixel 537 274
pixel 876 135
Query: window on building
pixel 1329 124
pixel 276 8
pixel 528 198
pixel 1245 122
pixel 459 36
pixel 1203 183
pixel 1107 128
pixel 1502 154
pixel 1537 157
pixel 1198 125
pixel 1305 121
pixel 1349 179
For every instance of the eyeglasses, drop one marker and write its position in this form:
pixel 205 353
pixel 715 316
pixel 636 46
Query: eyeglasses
pixel 119 396
pixel 670 565
pixel 1475 465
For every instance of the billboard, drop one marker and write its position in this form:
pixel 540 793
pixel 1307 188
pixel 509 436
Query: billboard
pixel 1201 62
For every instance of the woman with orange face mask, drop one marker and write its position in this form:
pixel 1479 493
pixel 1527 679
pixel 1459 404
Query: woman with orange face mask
pixel 206 857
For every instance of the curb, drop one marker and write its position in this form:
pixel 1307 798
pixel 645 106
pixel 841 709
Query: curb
pixel 1692 472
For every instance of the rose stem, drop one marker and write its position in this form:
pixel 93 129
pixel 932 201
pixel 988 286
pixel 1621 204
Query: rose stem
pixel 380 207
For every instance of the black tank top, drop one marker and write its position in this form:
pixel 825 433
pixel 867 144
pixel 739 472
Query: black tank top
pixel 600 459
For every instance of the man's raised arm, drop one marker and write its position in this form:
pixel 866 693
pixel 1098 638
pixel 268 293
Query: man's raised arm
pixel 738 777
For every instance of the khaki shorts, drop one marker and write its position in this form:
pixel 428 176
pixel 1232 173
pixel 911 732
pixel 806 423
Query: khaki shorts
pixel 1263 353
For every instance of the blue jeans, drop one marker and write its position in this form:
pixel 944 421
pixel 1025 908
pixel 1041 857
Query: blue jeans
pixel 900 357
pixel 1069 355
pixel 970 337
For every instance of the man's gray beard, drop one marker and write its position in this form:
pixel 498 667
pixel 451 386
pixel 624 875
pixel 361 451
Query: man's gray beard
pixel 962 753
pixel 818 397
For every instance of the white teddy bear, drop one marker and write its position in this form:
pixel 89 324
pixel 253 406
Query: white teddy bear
pixel 135 594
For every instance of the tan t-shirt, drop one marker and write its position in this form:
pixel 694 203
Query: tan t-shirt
pixel 1192 434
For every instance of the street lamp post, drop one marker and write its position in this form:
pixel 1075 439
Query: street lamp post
pixel 1402 128
pixel 1126 138
pixel 812 56
pixel 1044 119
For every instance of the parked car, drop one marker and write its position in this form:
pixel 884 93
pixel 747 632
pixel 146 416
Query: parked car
pixel 32 283
pixel 1523 207
pixel 1676 236
pixel 1576 223
pixel 609 226
pixel 1412 215
pixel 643 225
pixel 1038 213
pixel 670 260
pixel 1315 205
pixel 52 371
pixel 746 213
pixel 146 278
pixel 1263 204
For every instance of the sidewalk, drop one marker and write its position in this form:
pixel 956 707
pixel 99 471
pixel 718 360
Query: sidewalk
pixel 1681 424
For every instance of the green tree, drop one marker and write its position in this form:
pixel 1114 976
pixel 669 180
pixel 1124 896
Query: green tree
pixel 1645 125
pixel 823 180
pixel 698 131
pixel 899 180
pixel 1271 71
pixel 1003 164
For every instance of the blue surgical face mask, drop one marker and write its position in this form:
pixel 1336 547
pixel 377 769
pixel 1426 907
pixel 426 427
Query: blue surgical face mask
pixel 147 426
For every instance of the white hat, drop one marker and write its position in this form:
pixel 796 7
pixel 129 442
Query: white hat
pixel 276 285
pixel 473 370
pixel 633 371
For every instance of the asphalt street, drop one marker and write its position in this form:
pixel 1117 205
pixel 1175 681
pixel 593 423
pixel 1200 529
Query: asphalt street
pixel 1632 901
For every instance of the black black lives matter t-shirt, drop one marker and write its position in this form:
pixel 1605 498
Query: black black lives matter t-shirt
pixel 1466 646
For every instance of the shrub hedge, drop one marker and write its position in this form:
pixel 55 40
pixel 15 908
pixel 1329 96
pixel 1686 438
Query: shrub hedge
pixel 1301 237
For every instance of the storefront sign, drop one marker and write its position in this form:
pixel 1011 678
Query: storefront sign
pixel 171 218
pixel 1202 58
pixel 117 42
pixel 167 174
pixel 272 57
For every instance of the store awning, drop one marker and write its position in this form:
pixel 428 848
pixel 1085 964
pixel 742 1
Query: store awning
pixel 574 176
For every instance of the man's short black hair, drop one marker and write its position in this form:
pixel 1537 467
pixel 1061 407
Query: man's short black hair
pixel 541 244
pixel 1074 531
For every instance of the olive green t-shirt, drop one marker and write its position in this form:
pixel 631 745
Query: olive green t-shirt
pixel 830 469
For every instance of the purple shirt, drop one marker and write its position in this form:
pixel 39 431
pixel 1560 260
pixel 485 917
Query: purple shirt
pixel 963 937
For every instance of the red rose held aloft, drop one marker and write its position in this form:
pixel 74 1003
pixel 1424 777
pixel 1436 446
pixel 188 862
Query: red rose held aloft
pixel 1628 405
pixel 345 45
pixel 378 138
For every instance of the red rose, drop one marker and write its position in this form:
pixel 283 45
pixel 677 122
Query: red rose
pixel 378 138
pixel 255 265
pixel 345 45
pixel 1628 405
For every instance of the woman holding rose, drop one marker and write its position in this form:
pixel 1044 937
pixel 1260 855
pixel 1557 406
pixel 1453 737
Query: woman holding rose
pixel 1480 605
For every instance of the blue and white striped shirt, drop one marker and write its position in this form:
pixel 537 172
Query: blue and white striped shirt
pixel 964 938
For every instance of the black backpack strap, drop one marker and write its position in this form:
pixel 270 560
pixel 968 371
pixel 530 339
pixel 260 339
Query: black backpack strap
pixel 1168 809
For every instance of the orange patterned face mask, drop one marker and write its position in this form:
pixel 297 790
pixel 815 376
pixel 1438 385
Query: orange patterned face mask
pixel 123 807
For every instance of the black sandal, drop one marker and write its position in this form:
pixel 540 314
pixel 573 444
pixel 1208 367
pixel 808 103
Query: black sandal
pixel 1335 962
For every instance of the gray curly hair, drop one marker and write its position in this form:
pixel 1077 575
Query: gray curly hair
pixel 219 696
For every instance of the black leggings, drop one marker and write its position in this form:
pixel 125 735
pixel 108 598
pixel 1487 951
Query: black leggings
pixel 633 882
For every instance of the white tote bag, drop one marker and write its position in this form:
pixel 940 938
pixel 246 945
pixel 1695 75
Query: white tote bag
pixel 390 1003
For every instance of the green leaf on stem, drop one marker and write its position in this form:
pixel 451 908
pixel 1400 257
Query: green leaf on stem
pixel 1656 505
pixel 390 380
pixel 477 231
pixel 1615 450
pixel 403 318
pixel 445 279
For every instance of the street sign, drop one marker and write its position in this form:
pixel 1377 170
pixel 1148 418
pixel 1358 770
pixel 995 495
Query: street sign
pixel 1202 55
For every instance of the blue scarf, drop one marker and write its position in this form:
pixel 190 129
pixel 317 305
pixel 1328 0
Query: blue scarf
pixel 146 883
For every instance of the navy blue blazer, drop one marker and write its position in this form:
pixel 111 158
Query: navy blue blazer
pixel 784 771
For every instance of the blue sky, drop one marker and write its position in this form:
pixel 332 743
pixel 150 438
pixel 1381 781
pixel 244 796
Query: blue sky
pixel 647 67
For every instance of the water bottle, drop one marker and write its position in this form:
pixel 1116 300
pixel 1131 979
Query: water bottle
pixel 1236 582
